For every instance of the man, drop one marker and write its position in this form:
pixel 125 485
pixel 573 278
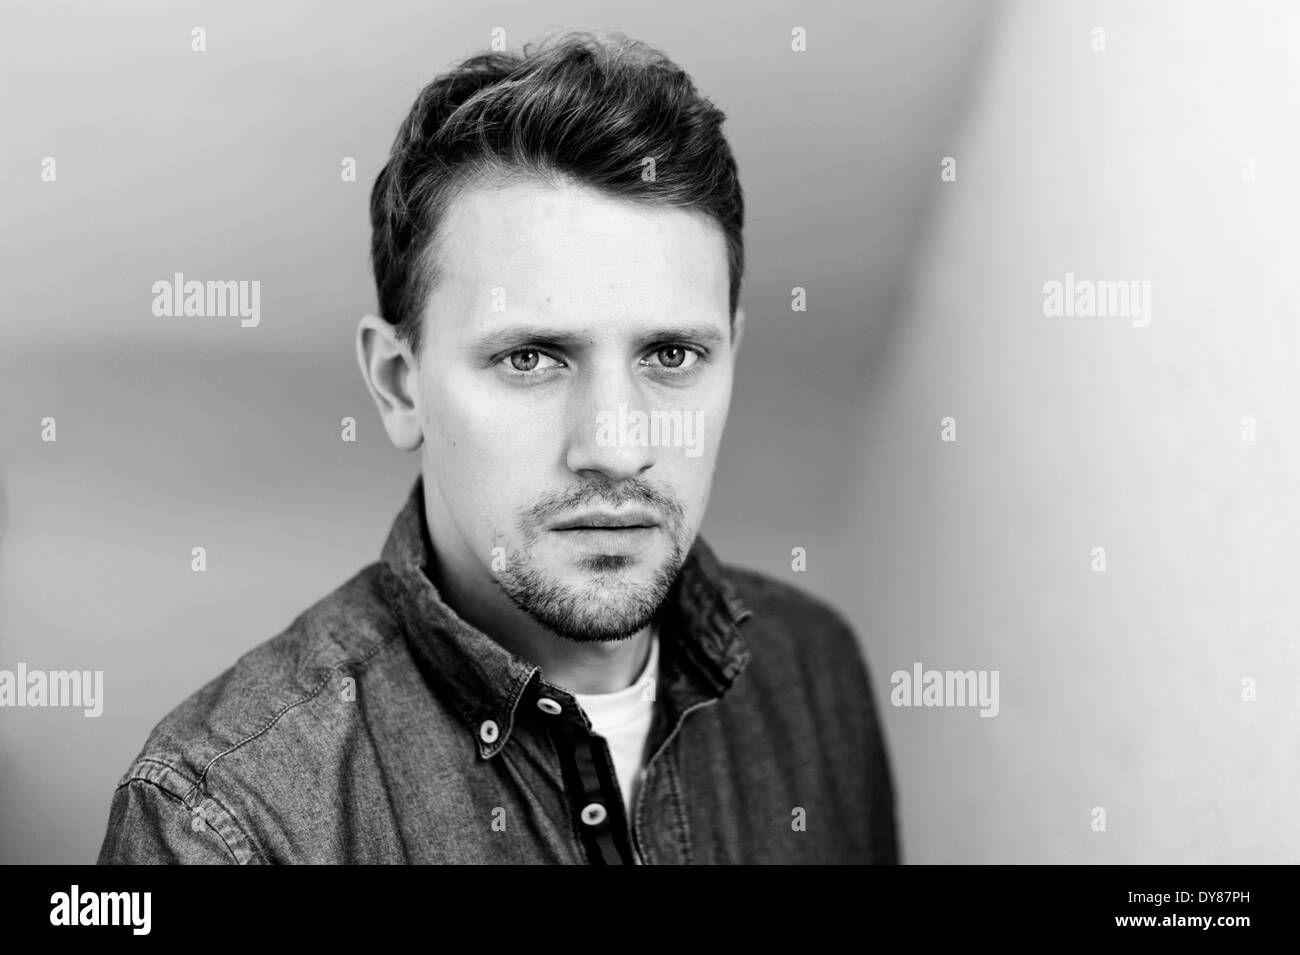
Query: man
pixel 547 665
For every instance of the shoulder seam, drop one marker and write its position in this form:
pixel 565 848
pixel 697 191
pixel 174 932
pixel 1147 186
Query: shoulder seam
pixel 312 694
pixel 184 801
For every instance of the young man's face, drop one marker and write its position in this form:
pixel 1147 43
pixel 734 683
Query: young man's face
pixel 576 370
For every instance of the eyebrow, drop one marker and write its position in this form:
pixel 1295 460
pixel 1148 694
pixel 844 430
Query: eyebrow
pixel 518 336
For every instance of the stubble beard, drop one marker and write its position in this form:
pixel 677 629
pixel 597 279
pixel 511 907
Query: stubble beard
pixel 604 609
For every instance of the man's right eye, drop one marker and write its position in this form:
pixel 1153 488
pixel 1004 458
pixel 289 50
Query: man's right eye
pixel 529 361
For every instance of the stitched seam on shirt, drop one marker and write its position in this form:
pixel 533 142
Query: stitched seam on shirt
pixel 320 685
pixel 395 589
pixel 679 806
pixel 669 752
pixel 184 802
pixel 520 686
pixel 252 847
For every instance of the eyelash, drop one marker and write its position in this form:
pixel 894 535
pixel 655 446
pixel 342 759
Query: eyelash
pixel 701 356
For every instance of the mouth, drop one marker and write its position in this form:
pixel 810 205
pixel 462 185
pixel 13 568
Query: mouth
pixel 608 521
pixel 609 533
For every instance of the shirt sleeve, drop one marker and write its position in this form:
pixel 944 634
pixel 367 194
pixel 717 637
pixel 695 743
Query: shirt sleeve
pixel 880 784
pixel 156 819
pixel 854 673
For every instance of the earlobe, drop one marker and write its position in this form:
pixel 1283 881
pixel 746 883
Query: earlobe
pixel 388 370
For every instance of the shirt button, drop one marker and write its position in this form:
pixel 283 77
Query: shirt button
pixel 549 706
pixel 489 731
pixel 593 814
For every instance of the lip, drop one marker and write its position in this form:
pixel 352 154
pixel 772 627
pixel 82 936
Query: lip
pixel 633 519
pixel 626 541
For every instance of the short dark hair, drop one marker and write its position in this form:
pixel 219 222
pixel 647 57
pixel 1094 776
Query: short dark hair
pixel 574 107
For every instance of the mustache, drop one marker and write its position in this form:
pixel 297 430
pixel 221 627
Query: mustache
pixel 656 497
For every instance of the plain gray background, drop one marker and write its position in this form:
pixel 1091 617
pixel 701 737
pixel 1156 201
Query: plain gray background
pixel 1119 690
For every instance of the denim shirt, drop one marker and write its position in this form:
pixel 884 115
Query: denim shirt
pixel 379 727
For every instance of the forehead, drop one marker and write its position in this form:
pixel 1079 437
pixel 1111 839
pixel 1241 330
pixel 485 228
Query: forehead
pixel 569 249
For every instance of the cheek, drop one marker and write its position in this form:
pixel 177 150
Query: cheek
pixel 699 470
pixel 714 407
pixel 465 417
pixel 691 475
pixel 490 454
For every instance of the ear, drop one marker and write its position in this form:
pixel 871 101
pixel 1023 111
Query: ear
pixel 737 328
pixel 389 371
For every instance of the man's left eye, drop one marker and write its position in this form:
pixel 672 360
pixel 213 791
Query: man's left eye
pixel 677 357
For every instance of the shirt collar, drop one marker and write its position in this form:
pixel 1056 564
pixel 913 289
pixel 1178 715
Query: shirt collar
pixel 484 682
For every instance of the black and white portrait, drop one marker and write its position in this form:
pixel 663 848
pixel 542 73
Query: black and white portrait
pixel 577 433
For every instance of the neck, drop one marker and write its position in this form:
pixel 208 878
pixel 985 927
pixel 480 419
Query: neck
pixel 588 668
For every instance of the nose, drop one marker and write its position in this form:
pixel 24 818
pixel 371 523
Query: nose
pixel 609 433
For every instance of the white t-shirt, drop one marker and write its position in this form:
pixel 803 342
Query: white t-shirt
pixel 623 719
